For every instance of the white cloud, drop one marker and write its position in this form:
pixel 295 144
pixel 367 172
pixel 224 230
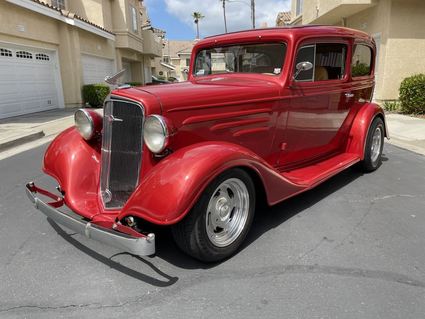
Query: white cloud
pixel 238 13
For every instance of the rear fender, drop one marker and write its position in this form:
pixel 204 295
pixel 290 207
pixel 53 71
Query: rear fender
pixel 167 193
pixel 360 128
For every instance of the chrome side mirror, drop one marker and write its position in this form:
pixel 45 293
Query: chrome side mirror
pixel 302 66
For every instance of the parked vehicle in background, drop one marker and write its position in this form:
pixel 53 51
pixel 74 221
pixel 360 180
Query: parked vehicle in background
pixel 273 111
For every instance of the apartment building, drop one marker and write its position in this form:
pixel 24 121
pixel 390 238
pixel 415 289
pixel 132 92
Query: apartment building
pixel 175 59
pixel 49 49
pixel 398 27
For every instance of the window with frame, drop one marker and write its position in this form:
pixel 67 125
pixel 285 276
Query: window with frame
pixel 187 62
pixel 328 60
pixel 5 52
pixel 42 56
pixel 134 19
pixel 299 7
pixel 361 61
pixel 60 4
pixel 23 55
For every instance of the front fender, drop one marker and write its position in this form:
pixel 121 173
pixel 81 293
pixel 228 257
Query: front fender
pixel 75 164
pixel 170 189
pixel 360 127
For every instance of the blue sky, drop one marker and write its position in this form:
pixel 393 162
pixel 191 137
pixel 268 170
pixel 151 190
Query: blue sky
pixel 174 16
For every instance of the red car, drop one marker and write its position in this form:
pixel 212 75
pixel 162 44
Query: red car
pixel 273 111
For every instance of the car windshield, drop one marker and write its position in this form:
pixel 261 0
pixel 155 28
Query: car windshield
pixel 250 58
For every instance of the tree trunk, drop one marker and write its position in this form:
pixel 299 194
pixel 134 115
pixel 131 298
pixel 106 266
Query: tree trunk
pixel 197 30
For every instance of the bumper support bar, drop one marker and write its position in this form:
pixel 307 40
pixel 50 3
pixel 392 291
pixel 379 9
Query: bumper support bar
pixel 141 245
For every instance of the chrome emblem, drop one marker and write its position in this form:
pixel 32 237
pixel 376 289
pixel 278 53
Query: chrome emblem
pixel 111 118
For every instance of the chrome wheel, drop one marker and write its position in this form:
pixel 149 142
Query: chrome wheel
pixel 227 212
pixel 375 149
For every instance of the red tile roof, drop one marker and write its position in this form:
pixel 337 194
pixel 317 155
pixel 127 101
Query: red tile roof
pixel 66 13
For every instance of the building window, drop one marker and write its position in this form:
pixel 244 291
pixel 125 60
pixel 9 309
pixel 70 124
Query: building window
pixel 134 19
pixel 299 7
pixel 5 52
pixel 23 55
pixel 166 59
pixel 42 56
pixel 60 4
pixel 187 62
pixel 328 60
pixel 361 61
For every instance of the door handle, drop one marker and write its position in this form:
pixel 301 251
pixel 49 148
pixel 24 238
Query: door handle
pixel 349 95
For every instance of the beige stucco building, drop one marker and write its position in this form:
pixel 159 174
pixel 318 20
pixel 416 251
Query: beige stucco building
pixel 49 49
pixel 175 59
pixel 398 27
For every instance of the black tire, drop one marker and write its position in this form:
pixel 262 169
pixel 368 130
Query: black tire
pixel 370 161
pixel 191 234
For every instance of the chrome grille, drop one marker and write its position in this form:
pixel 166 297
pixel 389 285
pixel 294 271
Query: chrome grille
pixel 121 151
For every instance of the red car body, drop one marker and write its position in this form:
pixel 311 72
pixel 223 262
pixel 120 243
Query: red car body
pixel 288 135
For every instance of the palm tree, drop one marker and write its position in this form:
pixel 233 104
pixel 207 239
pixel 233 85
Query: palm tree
pixel 197 16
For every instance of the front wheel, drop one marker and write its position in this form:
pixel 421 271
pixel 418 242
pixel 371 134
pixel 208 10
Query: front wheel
pixel 374 146
pixel 219 222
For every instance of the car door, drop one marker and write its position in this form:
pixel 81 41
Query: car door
pixel 320 102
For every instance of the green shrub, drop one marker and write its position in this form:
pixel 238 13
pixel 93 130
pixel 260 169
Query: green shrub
pixel 412 94
pixel 134 83
pixel 95 94
pixel 360 69
pixel 391 106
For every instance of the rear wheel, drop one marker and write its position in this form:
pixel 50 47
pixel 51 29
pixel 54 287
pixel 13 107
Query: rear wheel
pixel 374 146
pixel 220 220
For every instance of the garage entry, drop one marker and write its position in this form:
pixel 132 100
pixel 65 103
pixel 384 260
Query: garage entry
pixel 28 82
pixel 95 69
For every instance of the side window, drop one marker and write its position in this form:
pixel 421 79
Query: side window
pixel 328 61
pixel 361 61
pixel 306 54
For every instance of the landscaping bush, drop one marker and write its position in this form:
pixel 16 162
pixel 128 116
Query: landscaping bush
pixel 391 106
pixel 95 94
pixel 360 69
pixel 134 83
pixel 412 94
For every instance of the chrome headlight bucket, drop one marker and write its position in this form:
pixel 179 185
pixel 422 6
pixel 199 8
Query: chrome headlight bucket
pixel 156 133
pixel 88 123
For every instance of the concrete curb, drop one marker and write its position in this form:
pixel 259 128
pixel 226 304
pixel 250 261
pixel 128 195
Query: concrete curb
pixel 21 140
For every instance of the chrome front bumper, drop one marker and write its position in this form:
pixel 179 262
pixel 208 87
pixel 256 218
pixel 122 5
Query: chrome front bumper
pixel 142 245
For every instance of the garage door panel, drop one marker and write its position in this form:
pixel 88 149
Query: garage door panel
pixel 30 84
pixel 95 69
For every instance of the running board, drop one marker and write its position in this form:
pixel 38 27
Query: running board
pixel 312 175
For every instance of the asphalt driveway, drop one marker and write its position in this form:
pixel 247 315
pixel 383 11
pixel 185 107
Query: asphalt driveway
pixel 351 248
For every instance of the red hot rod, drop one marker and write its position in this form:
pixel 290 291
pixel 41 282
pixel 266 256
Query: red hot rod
pixel 274 111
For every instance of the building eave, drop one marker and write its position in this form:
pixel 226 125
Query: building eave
pixel 51 12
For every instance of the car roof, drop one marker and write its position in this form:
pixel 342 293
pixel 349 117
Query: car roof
pixel 285 32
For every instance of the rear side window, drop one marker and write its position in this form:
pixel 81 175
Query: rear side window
pixel 328 61
pixel 361 61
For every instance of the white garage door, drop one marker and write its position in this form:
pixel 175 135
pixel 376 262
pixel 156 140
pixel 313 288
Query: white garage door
pixel 95 69
pixel 28 81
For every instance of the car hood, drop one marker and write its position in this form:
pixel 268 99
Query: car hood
pixel 210 92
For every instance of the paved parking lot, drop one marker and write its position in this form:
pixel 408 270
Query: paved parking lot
pixel 351 248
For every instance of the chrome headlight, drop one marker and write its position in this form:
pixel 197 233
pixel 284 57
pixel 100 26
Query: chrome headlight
pixel 155 133
pixel 87 123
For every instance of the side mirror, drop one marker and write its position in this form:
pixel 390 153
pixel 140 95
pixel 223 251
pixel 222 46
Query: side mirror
pixel 302 66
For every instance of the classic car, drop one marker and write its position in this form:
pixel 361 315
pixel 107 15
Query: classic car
pixel 267 113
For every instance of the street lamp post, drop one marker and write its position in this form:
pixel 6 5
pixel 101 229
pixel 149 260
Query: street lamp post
pixel 253 13
pixel 252 5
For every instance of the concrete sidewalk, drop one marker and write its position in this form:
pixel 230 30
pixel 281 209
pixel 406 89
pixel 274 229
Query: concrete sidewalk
pixel 22 129
pixel 407 132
